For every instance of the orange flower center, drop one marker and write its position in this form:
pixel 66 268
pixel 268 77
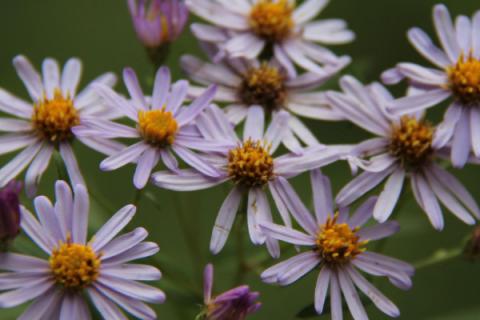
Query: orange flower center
pixel 157 127
pixel 271 20
pixel 464 80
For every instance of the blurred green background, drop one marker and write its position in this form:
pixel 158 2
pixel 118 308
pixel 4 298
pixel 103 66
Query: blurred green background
pixel 100 33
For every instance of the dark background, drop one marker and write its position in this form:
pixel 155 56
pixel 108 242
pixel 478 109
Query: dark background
pixel 100 33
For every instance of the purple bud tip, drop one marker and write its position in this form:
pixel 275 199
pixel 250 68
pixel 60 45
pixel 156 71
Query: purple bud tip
pixel 10 211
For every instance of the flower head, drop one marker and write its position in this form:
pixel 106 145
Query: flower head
pixel 249 163
pixel 99 268
pixel 405 146
pixel 246 83
pixel 456 75
pixel 162 126
pixel 10 211
pixel 336 243
pixel 234 304
pixel 248 28
pixel 46 123
pixel 158 22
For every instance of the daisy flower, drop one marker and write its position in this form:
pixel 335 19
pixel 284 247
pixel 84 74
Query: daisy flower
pixel 163 126
pixel 243 28
pixel 99 269
pixel 234 304
pixel 456 75
pixel 245 83
pixel 336 243
pixel 250 165
pixel 45 124
pixel 404 147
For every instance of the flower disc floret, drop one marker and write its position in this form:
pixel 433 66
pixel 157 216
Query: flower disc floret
pixel 264 86
pixel 337 243
pixel 272 20
pixel 250 164
pixel 75 266
pixel 464 80
pixel 54 119
pixel 411 142
pixel 157 127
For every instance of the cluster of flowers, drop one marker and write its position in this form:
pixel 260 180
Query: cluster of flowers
pixel 267 61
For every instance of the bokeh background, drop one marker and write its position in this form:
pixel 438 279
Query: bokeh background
pixel 100 33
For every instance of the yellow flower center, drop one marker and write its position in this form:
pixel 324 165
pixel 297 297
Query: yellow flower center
pixel 464 80
pixel 54 119
pixel 75 266
pixel 250 164
pixel 271 20
pixel 157 127
pixel 264 86
pixel 337 243
pixel 411 141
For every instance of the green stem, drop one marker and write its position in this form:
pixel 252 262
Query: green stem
pixel 440 256
pixel 242 268
pixel 137 196
pixel 60 165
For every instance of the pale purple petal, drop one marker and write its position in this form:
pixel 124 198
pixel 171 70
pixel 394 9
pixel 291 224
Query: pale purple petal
pixel 51 76
pixel 255 216
pixel 105 306
pixel 196 162
pixel 36 232
pixel 424 45
pixel 287 234
pixel 162 82
pixel 446 32
pixel 133 289
pixel 321 288
pixel 363 212
pixel 461 143
pixel 123 243
pixel 72 71
pixel 184 180
pixel 177 96
pixel 81 209
pixel 15 106
pixel 308 10
pixel 322 195
pixel 30 77
pixel 299 270
pixel 254 125
pixel 112 227
pixel 379 231
pixel 16 297
pixel 272 274
pixel 189 113
pixel 133 87
pixel 145 164
pixel 127 155
pixel 302 131
pixel 389 196
pixel 224 220
pixel 114 100
pixel 42 305
pixel 36 170
pixel 418 102
pixel 71 164
pixel 351 296
pixel 427 200
pixel 335 297
pixel 47 217
pixel 17 164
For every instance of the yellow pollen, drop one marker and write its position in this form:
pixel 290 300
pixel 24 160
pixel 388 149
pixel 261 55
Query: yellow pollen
pixel 264 86
pixel 250 164
pixel 337 243
pixel 272 20
pixel 411 141
pixel 464 80
pixel 75 266
pixel 157 127
pixel 54 119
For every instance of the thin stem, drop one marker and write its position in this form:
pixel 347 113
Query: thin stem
pixel 61 169
pixel 438 257
pixel 242 268
pixel 137 196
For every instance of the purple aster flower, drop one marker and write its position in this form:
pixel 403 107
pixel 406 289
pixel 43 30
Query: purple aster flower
pixel 10 211
pixel 456 76
pixel 98 268
pixel 234 304
pixel 336 243
pixel 404 147
pixel 46 123
pixel 158 22
pixel 248 163
pixel 243 28
pixel 244 83
pixel 163 126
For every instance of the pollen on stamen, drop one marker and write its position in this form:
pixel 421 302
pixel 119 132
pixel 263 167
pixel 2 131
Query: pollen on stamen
pixel 157 127
pixel 264 86
pixel 54 119
pixel 464 80
pixel 250 164
pixel 74 266
pixel 272 20
pixel 411 142
pixel 337 243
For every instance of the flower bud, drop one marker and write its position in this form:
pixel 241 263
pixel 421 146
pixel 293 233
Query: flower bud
pixel 158 23
pixel 472 249
pixel 9 211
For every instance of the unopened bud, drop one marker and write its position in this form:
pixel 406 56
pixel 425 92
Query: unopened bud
pixel 9 212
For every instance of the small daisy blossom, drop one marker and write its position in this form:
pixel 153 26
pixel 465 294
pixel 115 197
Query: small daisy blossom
pixel 163 125
pixel 46 123
pixel 250 165
pixel 456 76
pixel 336 243
pixel 234 304
pixel 405 147
pixel 100 268
pixel 244 83
pixel 243 28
